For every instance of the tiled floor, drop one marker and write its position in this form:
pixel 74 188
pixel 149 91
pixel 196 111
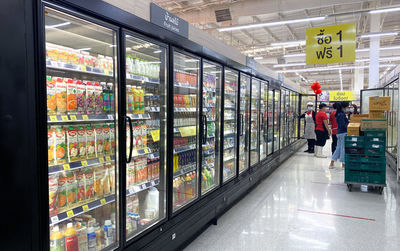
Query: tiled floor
pixel 304 205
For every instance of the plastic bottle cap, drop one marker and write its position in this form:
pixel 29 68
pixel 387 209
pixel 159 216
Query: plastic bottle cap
pixel 107 222
pixel 69 225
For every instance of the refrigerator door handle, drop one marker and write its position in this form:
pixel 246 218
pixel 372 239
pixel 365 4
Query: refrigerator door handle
pixel 205 129
pixel 131 139
pixel 241 124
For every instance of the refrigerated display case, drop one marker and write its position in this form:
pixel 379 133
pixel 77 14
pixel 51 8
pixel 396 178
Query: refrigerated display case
pixel 255 115
pixel 211 121
pixel 82 125
pixel 186 91
pixel 295 113
pixel 285 111
pixel 244 117
pixel 145 90
pixel 292 117
pixel 277 98
pixel 264 123
pixel 270 114
pixel 229 125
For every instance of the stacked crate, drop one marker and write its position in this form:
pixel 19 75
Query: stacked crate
pixel 365 160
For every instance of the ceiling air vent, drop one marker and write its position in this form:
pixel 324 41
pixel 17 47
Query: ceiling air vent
pixel 223 15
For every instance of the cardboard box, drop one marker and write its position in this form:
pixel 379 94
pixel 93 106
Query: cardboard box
pixel 353 129
pixel 373 124
pixel 356 118
pixel 379 103
pixel 376 115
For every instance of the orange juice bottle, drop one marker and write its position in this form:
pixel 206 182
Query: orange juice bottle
pixel 56 240
pixel 136 99
pixel 71 238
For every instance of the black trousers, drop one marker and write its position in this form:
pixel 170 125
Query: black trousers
pixel 321 137
pixel 311 144
pixel 334 143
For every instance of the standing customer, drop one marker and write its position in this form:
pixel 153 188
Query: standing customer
pixel 309 128
pixel 342 122
pixel 321 130
pixel 332 120
pixel 353 110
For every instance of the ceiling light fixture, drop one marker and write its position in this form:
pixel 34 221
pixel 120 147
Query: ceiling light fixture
pixel 288 65
pixel 84 49
pixel 257 58
pixel 157 51
pixel 258 25
pixel 57 25
pixel 380 34
pixel 288 43
pixel 294 55
pixel 384 10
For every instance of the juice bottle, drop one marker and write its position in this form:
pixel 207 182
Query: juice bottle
pixel 71 189
pixel 188 185
pixel 141 100
pixel 51 95
pixel 106 139
pixel 106 97
pixel 81 142
pixel 136 99
pixel 80 97
pixel 91 239
pixel 129 99
pixel 51 145
pixel 57 240
pixel 72 143
pixel 71 97
pixel 71 238
pixel 61 96
pixel 81 230
pixel 60 146
pixel 90 98
pixel 108 233
pixel 111 96
pixel 98 98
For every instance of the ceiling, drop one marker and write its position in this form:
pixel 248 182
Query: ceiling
pixel 256 42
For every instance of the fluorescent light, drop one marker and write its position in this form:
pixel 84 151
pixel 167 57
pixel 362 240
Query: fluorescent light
pixel 257 58
pixel 341 79
pixel 381 34
pixel 289 65
pixel 84 49
pixel 57 25
pixel 380 59
pixel 157 51
pixel 258 25
pixel 384 10
pixel 332 68
pixel 288 43
pixel 294 55
pixel 113 45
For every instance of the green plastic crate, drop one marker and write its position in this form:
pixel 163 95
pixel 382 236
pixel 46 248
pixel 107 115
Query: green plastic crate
pixel 381 134
pixel 359 144
pixel 354 139
pixel 372 167
pixel 374 159
pixel 353 158
pixel 354 150
pixel 377 177
pixel 375 148
pixel 352 166
pixel 351 176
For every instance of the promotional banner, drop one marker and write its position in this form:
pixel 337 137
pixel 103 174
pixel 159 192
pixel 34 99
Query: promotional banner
pixel 331 44
pixel 341 96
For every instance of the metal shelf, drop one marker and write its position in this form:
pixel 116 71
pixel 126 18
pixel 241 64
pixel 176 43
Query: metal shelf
pixel 139 116
pixel 77 68
pixel 142 79
pixel 185 148
pixel 80 164
pixel 79 118
pixel 138 188
pixel 186 169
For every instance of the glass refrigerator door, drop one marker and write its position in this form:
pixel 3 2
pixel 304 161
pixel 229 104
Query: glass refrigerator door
pixel 296 117
pixel 186 130
pixel 270 114
pixel 395 102
pixel 82 132
pixel 244 117
pixel 254 127
pixel 283 110
pixel 211 115
pixel 264 120
pixel 390 120
pixel 291 116
pixel 230 108
pixel 277 98
pixel 146 108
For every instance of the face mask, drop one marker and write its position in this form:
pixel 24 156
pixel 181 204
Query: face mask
pixel 351 110
pixel 310 108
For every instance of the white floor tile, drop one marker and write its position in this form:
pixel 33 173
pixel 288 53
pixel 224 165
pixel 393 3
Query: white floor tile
pixel 302 206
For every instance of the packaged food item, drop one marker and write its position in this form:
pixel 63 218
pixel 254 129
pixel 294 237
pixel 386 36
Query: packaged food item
pixel 106 97
pixel 80 180
pixel 51 96
pixel 91 239
pixel 111 172
pixel 106 139
pixel 112 138
pixel 137 134
pixel 57 241
pixel 60 146
pixel 62 192
pixel 99 140
pixel 71 189
pixel 71 238
pixel 136 97
pixel 90 142
pixel 61 96
pixel 141 100
pixel 81 135
pixel 81 230
pixel 99 175
pixel 130 172
pixel 108 234
pixel 106 180
pixel 71 97
pixel 72 141
pixel 141 169
pixel 53 194
pixel 98 91
pixel 129 99
pixel 90 98
pixel 51 145
pixel 89 183
pixel 51 52
pixel 144 134
pixel 111 96
pixel 80 97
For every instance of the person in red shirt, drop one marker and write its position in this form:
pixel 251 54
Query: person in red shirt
pixel 321 130
pixel 332 119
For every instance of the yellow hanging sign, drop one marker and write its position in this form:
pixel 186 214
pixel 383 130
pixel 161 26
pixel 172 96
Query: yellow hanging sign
pixel 187 131
pixel 331 44
pixel 341 96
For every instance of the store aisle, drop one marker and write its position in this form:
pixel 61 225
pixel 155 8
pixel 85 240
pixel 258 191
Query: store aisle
pixel 305 206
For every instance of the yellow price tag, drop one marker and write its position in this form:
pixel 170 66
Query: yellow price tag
pixel 64 118
pixel 135 153
pixel 66 167
pixel 84 163
pixel 70 213
pixel 155 134
pixel 146 150
pixel 85 117
pixel 53 118
pixel 73 117
pixel 106 72
pixel 108 158
pixel 103 201
pixel 187 131
pixel 83 68
pixel 101 160
pixel 85 208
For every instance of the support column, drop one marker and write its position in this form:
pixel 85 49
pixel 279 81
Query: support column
pixel 374 44
pixel 359 78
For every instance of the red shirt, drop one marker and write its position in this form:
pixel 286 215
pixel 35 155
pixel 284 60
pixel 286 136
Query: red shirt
pixel 332 119
pixel 319 120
